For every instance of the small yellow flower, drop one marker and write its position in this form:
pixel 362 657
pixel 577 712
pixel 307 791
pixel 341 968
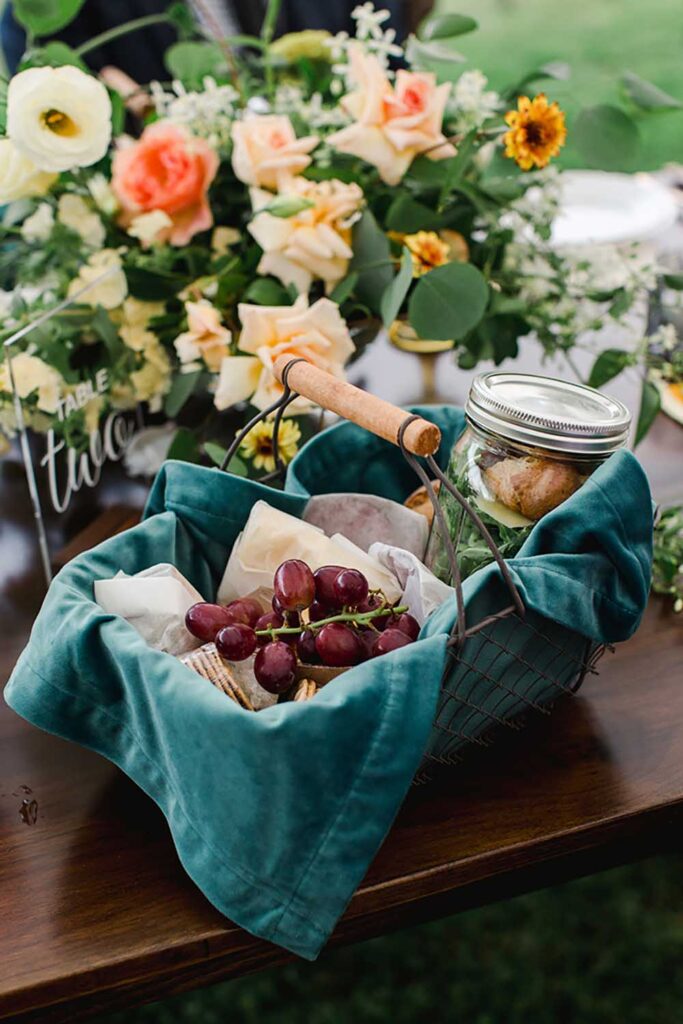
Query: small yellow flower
pixel 427 250
pixel 537 132
pixel 258 444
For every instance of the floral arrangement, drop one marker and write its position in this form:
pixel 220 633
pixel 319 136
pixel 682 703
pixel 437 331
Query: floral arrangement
pixel 280 195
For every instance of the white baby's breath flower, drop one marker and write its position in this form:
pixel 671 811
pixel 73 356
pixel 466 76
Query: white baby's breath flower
pixel 74 213
pixel 38 227
pixel 471 103
pixel 60 118
pixel 207 114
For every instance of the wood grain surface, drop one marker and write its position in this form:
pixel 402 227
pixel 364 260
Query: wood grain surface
pixel 97 912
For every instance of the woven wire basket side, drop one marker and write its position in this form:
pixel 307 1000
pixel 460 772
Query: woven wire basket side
pixel 499 670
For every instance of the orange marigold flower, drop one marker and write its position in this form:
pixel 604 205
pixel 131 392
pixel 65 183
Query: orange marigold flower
pixel 427 250
pixel 537 132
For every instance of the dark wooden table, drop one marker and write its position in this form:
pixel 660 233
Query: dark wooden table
pixel 96 912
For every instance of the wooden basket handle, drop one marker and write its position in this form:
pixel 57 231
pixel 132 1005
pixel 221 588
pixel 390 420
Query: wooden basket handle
pixel 374 414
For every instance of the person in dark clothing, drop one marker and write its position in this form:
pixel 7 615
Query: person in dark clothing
pixel 140 54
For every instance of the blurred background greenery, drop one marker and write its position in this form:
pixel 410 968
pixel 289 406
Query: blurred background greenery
pixel 603 950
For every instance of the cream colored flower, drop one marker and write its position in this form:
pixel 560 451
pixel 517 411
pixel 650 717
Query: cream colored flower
pixel 223 238
pixel 19 176
pixel 392 124
pixel 313 244
pixel 32 374
pixel 153 379
pixel 109 292
pixel 317 333
pixel 103 194
pixel 92 412
pixel 73 212
pixel 59 118
pixel 266 151
pixel 205 338
pixel 134 321
pixel 151 228
pixel 39 225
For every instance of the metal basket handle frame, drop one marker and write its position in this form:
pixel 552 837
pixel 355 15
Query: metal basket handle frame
pixel 415 437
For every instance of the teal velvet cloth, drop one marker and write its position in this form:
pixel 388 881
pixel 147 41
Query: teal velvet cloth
pixel 276 815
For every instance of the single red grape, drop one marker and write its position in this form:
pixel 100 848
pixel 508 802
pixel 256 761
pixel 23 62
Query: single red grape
pixel 294 585
pixel 370 604
pixel 390 640
pixel 204 620
pixel 275 666
pixel 306 649
pixel 408 624
pixel 324 578
pixel 316 612
pixel 337 644
pixel 270 620
pixel 350 588
pixel 246 610
pixel 276 606
pixel 236 642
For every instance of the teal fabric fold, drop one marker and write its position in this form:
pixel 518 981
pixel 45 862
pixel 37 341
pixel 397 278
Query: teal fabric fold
pixel 275 815
pixel 587 565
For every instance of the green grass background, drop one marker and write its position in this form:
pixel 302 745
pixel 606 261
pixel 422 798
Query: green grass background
pixel 603 950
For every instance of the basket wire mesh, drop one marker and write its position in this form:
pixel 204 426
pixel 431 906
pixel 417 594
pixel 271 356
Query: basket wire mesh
pixel 500 670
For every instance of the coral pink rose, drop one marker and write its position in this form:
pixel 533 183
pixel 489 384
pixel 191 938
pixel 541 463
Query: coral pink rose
pixel 392 125
pixel 266 151
pixel 169 170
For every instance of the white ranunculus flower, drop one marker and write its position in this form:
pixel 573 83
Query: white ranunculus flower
pixel 73 212
pixel 39 225
pixel 19 176
pixel 59 118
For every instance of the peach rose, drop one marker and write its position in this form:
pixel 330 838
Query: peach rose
pixel 205 338
pixel 313 244
pixel 167 170
pixel 318 333
pixel 266 151
pixel 392 125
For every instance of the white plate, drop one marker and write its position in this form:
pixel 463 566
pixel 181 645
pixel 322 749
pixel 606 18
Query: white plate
pixel 600 208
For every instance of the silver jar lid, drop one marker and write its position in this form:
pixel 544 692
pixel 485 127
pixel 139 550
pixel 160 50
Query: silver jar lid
pixel 547 413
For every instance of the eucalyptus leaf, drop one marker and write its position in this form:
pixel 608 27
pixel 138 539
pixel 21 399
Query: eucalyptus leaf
pixel 395 293
pixel 54 54
pixel 286 206
pixel 650 402
pixel 606 137
pixel 181 389
pixel 446 26
pixel 407 215
pixel 646 95
pixel 191 61
pixel 436 56
pixel 558 70
pixel 266 291
pixel 448 302
pixel 371 261
pixel 344 288
pixel 608 365
pixel 217 453
pixel 44 17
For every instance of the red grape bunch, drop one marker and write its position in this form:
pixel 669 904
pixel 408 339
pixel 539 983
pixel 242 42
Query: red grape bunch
pixel 328 617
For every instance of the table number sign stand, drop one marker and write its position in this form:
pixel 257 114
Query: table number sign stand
pixel 118 433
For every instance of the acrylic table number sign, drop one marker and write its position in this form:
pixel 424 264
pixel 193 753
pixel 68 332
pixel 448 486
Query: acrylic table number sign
pixel 67 469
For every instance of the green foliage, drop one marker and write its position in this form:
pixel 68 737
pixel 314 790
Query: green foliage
pixel 43 17
pixel 437 56
pixel 371 261
pixel 408 215
pixel 54 54
pixel 606 137
pixel 446 26
pixel 667 567
pixel 184 384
pixel 266 291
pixel 217 453
pixel 395 293
pixel 286 206
pixel 448 302
pixel 650 403
pixel 646 95
pixel 608 365
pixel 191 61
pixel 184 446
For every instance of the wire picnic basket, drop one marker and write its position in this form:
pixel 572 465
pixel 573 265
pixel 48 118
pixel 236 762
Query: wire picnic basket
pixel 499 670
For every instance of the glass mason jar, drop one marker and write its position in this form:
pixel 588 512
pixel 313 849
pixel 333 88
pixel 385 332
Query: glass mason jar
pixel 529 444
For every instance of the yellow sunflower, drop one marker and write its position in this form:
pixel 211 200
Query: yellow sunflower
pixel 258 444
pixel 427 251
pixel 537 132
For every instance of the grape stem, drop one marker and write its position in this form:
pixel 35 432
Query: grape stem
pixel 360 618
